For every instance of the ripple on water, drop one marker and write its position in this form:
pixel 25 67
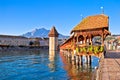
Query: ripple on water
pixel 35 65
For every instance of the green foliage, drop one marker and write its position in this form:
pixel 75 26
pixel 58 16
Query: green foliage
pixel 101 49
pixel 96 49
pixel 77 49
pixel 84 49
pixel 91 49
pixel 81 50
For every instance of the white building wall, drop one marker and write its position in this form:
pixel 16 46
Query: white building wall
pixel 44 43
pixel 14 41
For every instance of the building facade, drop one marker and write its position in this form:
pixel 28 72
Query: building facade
pixel 7 40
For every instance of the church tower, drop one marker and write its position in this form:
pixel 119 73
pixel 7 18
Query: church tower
pixel 53 39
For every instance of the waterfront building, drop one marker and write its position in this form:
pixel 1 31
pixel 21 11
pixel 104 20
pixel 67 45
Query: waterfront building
pixel 10 40
pixel 34 41
pixel 116 43
pixel 7 40
pixel 44 42
pixel 112 42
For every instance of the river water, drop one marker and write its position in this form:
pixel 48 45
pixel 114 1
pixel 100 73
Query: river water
pixel 38 65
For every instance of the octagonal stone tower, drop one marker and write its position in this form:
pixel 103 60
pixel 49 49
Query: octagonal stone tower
pixel 53 39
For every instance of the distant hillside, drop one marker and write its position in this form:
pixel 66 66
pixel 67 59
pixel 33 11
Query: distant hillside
pixel 42 32
pixel 115 35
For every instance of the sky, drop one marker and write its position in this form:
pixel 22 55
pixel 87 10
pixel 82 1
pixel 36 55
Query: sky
pixel 20 16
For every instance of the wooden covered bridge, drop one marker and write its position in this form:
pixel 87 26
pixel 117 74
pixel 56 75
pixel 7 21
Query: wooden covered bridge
pixel 82 37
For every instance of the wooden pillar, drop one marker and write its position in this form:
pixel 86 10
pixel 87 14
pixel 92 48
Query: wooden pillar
pixel 77 39
pixel 80 60
pixel 102 39
pixel 74 48
pixel 74 40
pixel 68 53
pixel 91 40
pixel 86 59
pixel 72 56
pixel 85 40
pixel 102 36
pixel 77 59
pixel 89 59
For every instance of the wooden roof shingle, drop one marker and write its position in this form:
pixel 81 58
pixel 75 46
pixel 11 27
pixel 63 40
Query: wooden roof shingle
pixel 92 22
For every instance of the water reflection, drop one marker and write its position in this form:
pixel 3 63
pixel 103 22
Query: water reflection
pixel 40 65
pixel 51 59
pixel 77 71
pixel 52 55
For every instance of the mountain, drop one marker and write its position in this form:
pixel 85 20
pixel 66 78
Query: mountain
pixel 42 32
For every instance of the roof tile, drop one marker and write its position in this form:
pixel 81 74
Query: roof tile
pixel 92 22
pixel 53 32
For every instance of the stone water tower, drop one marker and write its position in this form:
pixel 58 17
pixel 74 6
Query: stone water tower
pixel 53 39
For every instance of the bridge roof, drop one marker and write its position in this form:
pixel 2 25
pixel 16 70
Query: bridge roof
pixel 92 22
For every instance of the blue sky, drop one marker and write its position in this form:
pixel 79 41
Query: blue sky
pixel 20 16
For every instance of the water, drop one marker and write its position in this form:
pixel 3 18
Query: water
pixel 38 65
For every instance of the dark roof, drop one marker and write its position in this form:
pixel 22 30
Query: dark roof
pixel 92 22
pixel 53 32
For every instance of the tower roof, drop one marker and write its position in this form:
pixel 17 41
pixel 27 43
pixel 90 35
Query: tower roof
pixel 53 32
pixel 92 22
